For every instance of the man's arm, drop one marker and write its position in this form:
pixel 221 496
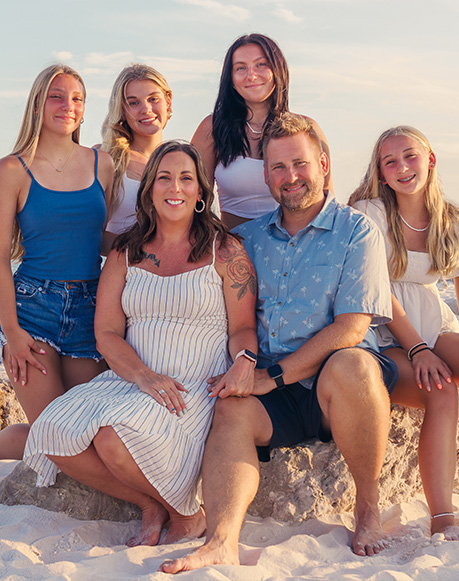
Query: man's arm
pixel 347 330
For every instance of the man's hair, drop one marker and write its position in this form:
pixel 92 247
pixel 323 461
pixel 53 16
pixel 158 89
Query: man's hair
pixel 287 125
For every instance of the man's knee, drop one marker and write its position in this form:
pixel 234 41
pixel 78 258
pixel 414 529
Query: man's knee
pixel 351 372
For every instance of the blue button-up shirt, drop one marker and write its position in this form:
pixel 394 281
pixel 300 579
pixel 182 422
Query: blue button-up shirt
pixel 335 265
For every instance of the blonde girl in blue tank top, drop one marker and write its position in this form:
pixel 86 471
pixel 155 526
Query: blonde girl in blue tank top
pixel 53 194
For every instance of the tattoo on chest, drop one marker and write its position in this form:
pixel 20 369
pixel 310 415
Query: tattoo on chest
pixel 156 261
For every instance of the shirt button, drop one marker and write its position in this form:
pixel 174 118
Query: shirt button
pixel 273 334
pixel 292 244
pixel 279 303
pixel 285 273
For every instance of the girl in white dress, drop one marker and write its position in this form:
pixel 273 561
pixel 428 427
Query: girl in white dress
pixel 400 191
pixel 176 299
pixel 139 108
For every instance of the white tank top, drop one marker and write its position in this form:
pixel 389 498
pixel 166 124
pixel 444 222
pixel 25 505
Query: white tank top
pixel 124 215
pixel 242 190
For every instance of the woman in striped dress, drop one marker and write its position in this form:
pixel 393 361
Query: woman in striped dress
pixel 176 295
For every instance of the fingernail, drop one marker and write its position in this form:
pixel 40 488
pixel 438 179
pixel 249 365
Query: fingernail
pixel 428 388
pixel 42 351
pixel 164 404
pixel 180 414
pixel 185 411
pixel 23 382
pixel 44 372
pixel 449 380
pixel 15 379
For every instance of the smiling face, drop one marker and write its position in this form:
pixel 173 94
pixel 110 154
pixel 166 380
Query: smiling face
pixel 295 171
pixel 252 76
pixel 405 164
pixel 64 105
pixel 176 188
pixel 146 107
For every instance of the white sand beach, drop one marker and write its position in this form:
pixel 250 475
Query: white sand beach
pixel 39 544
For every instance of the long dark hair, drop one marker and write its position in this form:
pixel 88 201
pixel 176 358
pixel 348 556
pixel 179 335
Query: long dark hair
pixel 230 111
pixel 204 227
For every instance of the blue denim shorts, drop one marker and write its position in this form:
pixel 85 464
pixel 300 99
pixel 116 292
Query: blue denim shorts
pixel 58 313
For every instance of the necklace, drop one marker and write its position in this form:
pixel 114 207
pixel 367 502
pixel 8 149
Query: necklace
pixel 252 129
pixel 412 227
pixel 51 163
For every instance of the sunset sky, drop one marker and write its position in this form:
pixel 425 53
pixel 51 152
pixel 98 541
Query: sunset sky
pixel 357 66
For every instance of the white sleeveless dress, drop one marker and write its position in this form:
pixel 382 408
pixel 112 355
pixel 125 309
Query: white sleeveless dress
pixel 178 327
pixel 416 290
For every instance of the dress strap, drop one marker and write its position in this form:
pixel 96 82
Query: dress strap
pixel 25 166
pixel 96 162
pixel 127 258
pixel 213 248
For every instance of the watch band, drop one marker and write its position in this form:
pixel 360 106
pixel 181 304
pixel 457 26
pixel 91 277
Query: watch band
pixel 248 355
pixel 277 373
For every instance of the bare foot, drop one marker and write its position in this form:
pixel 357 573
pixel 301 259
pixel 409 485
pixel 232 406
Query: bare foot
pixel 368 538
pixel 185 527
pixel 211 553
pixel 154 517
pixel 447 526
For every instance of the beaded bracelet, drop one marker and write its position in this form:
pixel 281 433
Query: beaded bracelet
pixel 410 352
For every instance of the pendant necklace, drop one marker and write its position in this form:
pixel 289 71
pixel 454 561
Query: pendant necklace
pixel 412 227
pixel 52 164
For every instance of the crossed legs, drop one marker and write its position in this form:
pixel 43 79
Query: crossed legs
pixel 108 466
pixel 355 405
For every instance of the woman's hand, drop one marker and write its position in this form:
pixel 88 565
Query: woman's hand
pixel 428 368
pixel 237 381
pixel 165 390
pixel 21 349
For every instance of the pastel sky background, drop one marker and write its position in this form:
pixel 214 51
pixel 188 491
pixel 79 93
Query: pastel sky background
pixel 357 66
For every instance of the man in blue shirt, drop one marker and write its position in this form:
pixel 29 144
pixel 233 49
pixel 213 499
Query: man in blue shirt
pixel 322 279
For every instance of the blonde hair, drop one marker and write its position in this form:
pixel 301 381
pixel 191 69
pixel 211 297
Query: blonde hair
pixel 117 136
pixel 32 122
pixel 442 238
pixel 289 124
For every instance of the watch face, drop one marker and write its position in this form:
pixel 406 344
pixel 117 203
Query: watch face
pixel 275 371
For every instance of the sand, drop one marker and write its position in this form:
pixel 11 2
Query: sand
pixel 38 544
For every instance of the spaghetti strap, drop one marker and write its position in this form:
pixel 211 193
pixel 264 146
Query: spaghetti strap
pixel 213 248
pixel 25 166
pixel 96 162
pixel 127 258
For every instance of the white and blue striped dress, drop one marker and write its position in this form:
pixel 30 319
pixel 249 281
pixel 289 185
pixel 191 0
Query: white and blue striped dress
pixel 178 327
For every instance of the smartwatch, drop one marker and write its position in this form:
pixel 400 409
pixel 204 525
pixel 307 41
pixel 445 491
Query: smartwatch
pixel 248 355
pixel 277 373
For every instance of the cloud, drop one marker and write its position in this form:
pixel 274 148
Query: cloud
pixel 224 10
pixel 287 15
pixel 63 56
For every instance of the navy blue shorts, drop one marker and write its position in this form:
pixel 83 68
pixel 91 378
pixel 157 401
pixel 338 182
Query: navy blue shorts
pixel 58 313
pixel 295 412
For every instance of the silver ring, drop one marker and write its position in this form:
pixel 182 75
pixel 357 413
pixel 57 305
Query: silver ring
pixel 161 391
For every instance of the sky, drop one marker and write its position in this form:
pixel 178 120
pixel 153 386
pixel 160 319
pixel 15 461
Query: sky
pixel 357 67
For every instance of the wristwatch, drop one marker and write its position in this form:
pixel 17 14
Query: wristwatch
pixel 277 373
pixel 248 355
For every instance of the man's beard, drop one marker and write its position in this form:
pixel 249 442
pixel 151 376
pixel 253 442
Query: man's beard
pixel 302 199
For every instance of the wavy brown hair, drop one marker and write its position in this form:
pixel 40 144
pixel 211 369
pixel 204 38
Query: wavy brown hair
pixel 205 225
pixel 442 237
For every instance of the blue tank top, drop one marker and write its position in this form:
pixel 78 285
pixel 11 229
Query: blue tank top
pixel 62 231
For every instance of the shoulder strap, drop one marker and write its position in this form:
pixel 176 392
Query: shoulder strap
pixel 25 166
pixel 213 248
pixel 96 161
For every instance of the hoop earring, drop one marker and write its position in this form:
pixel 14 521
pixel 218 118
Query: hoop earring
pixel 82 121
pixel 202 208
